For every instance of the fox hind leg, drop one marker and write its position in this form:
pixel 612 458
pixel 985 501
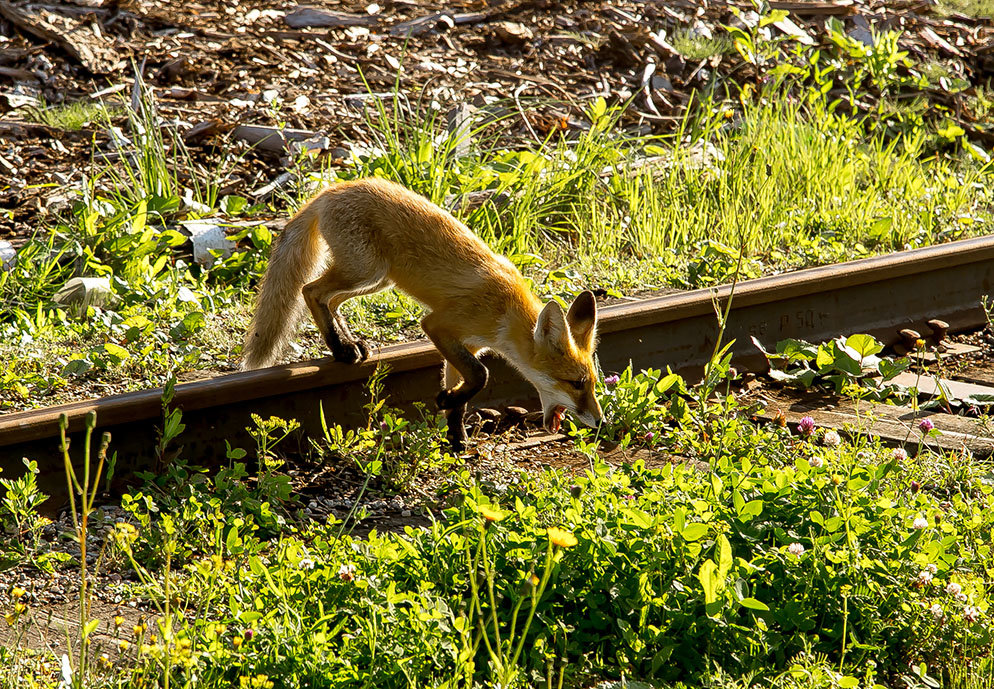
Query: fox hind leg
pixel 325 295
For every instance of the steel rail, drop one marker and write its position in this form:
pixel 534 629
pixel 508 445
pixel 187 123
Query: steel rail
pixel 876 295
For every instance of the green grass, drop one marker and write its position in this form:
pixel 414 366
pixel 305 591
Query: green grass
pixel 789 187
pixel 971 8
pixel 788 184
pixel 695 47
pixel 765 559
pixel 72 117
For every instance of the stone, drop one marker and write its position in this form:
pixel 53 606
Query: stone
pixel 8 255
pixel 207 236
pixel 83 292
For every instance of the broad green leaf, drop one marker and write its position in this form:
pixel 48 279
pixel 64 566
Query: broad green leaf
pixel 76 367
pixel 864 345
pixel 640 519
pixel 172 238
pixel 116 351
pixel 753 508
pixel 261 236
pixel 881 227
pixel 754 604
pixel 724 556
pixel 708 576
pixel 667 382
pixel 891 369
pixel 695 531
pixel 139 218
pixel 772 16
pixel 255 564
pixel 233 205
pixel 716 485
pixel 738 501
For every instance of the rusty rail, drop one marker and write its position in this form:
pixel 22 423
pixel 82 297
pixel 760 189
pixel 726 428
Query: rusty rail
pixel 876 295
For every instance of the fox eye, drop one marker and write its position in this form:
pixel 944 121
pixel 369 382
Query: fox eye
pixel 578 384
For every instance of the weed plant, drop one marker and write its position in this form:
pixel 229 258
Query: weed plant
pixel 791 183
pixel 752 556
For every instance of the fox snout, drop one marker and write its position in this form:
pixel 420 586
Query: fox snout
pixel 587 411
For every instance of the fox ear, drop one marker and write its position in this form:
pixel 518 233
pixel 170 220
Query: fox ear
pixel 582 320
pixel 551 330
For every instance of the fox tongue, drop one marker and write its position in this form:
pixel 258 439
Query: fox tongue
pixel 557 418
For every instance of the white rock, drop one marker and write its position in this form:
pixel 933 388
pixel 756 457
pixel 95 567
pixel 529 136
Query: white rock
pixel 8 255
pixel 185 294
pixel 301 104
pixel 83 292
pixel 193 204
pixel 207 236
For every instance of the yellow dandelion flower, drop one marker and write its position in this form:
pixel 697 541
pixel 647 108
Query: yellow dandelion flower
pixel 491 515
pixel 11 618
pixel 138 629
pixel 20 608
pixel 237 642
pixel 920 343
pixel 17 592
pixel 562 538
pixel 118 620
pixel 124 645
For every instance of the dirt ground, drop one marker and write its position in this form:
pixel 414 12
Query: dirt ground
pixel 314 71
pixel 216 65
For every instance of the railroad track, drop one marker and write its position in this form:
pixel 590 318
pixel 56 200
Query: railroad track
pixel 878 296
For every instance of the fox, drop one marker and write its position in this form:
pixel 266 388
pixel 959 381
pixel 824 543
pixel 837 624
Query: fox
pixel 362 236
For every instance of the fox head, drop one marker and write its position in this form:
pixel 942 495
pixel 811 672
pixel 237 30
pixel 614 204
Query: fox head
pixel 563 364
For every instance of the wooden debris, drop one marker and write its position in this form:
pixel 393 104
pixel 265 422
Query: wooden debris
pixel 311 17
pixel 220 59
pixel 74 36
pixel 981 375
pixel 937 41
pixel 270 138
pixel 953 350
pixel 19 74
pixel 807 9
pixel 281 181
pixel 893 425
pixel 792 29
pixel 422 25
pixel 928 385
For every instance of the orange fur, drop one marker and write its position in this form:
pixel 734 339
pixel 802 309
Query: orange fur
pixel 367 235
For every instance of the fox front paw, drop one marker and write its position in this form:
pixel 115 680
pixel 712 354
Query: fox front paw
pixel 351 352
pixel 456 435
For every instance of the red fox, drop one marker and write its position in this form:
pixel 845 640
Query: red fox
pixel 379 235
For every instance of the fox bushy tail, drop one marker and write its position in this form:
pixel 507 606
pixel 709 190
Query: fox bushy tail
pixel 294 260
